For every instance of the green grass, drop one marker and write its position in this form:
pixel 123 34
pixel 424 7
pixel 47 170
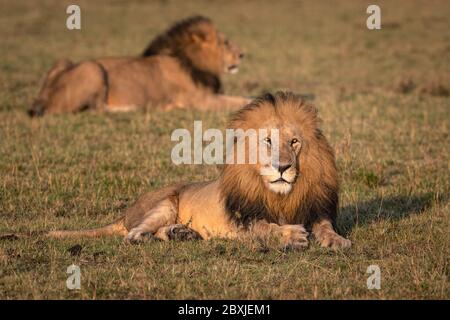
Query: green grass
pixel 77 171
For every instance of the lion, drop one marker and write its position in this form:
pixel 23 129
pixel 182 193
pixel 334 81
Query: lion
pixel 286 198
pixel 179 69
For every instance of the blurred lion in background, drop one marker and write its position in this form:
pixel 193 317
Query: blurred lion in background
pixel 179 69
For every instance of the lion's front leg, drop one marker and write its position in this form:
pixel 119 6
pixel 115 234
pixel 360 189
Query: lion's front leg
pixel 324 233
pixel 290 236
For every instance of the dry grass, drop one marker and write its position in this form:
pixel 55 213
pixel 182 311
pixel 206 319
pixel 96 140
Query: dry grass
pixel 78 171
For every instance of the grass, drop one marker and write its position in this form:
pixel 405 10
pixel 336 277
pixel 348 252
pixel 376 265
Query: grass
pixel 382 97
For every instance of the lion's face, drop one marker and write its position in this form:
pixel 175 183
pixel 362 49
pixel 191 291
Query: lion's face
pixel 197 41
pixel 272 153
pixel 211 51
pixel 280 170
pixel 231 54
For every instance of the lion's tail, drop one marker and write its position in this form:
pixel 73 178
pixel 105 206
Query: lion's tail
pixel 115 228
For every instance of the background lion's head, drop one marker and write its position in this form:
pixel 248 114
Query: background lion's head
pixel 197 41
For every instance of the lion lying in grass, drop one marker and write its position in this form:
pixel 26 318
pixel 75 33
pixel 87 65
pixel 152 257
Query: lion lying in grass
pixel 180 68
pixel 283 199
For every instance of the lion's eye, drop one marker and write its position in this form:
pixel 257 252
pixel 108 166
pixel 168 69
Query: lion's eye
pixel 267 140
pixel 294 141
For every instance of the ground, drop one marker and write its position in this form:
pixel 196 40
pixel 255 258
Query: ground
pixel 383 96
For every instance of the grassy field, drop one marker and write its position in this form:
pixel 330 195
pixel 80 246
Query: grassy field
pixel 384 100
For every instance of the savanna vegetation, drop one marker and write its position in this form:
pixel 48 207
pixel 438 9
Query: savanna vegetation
pixel 384 99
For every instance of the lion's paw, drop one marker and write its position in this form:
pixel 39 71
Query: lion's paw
pixel 138 235
pixel 182 233
pixel 335 242
pixel 294 236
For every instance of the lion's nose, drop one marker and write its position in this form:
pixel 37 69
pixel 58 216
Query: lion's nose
pixel 283 167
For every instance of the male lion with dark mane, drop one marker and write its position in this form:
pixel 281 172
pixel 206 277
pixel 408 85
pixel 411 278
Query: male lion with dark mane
pixel 180 68
pixel 285 198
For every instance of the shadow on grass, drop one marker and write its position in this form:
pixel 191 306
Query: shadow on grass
pixel 385 208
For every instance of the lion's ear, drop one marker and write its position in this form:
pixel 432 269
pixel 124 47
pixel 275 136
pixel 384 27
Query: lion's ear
pixel 197 38
pixel 199 35
pixel 202 34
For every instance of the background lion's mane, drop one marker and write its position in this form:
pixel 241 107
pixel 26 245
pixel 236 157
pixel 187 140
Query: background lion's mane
pixel 175 36
pixel 173 42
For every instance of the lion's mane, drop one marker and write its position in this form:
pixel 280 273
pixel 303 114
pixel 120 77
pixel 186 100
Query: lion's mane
pixel 315 193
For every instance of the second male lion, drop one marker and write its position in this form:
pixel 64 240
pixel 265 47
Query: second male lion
pixel 180 68
pixel 286 197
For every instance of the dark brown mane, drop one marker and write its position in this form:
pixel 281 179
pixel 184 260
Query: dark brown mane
pixel 173 43
pixel 314 194
pixel 166 42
